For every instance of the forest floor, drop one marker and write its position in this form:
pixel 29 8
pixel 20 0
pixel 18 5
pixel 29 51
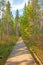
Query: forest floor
pixel 20 55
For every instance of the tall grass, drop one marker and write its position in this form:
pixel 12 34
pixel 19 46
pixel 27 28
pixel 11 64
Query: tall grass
pixel 6 46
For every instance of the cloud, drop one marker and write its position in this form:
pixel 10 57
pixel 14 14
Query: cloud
pixel 18 6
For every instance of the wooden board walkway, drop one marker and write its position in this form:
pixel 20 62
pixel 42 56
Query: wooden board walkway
pixel 20 55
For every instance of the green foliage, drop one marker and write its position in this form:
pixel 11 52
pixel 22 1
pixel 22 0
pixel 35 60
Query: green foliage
pixel 29 20
pixel 7 32
pixel 26 25
pixel 6 47
pixel 30 28
pixel 17 28
pixel 17 15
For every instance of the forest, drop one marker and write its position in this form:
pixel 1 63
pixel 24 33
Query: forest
pixel 29 26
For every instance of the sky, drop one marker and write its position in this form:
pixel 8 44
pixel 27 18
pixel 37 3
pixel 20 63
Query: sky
pixel 17 4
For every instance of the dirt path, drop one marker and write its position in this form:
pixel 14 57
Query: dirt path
pixel 20 55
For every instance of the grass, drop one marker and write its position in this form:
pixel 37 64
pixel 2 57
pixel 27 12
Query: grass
pixel 34 57
pixel 35 45
pixel 6 46
pixel 38 52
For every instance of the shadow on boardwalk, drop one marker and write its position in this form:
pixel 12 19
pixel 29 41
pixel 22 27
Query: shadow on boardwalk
pixel 20 55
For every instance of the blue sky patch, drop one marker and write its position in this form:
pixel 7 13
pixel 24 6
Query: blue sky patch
pixel 17 4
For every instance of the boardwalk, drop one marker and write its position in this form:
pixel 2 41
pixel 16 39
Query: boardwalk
pixel 20 55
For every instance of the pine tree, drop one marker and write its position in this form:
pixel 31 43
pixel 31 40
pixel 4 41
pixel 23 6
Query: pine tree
pixel 17 22
pixel 2 5
pixel 8 19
